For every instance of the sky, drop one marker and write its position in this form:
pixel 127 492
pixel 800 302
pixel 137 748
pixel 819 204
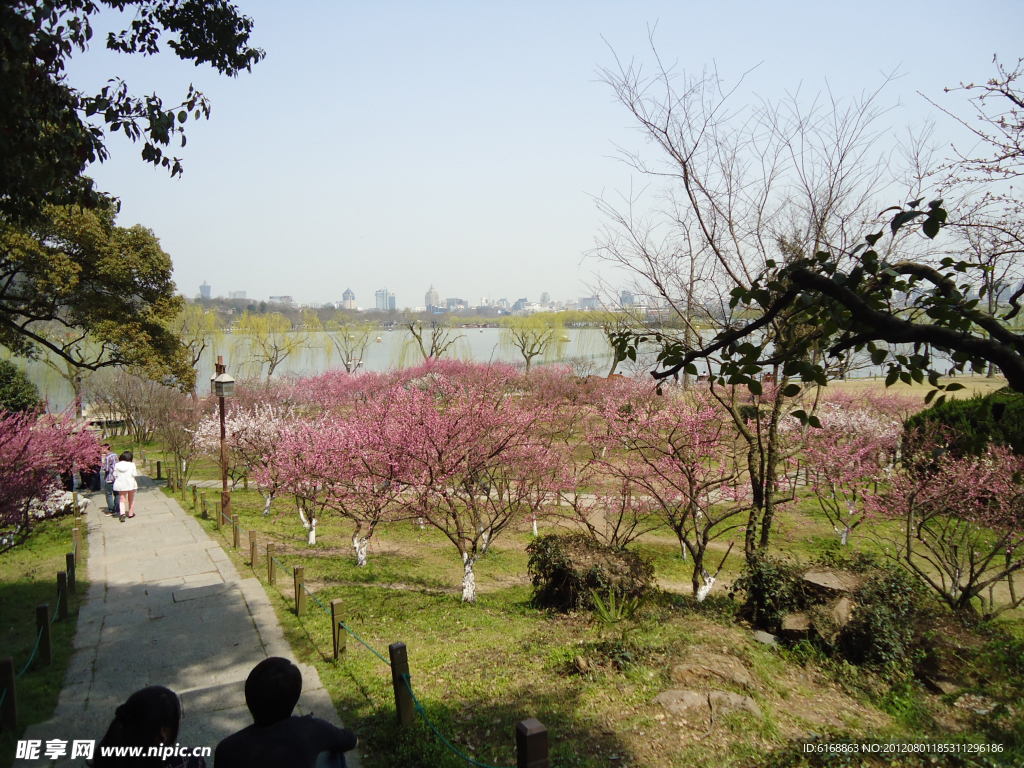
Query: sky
pixel 463 144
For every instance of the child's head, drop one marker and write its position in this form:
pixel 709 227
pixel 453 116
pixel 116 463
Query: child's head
pixel 272 690
pixel 126 456
pixel 149 718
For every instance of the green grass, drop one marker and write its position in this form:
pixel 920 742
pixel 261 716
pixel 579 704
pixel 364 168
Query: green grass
pixel 28 577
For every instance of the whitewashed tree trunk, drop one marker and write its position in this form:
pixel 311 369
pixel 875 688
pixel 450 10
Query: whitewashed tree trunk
pixel 468 579
pixel 535 524
pixel 422 524
pixel 302 517
pixel 360 545
pixel 707 582
pixel 312 531
pixel 268 499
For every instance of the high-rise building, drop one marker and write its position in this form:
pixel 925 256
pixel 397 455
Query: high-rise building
pixel 385 300
pixel 626 299
pixel 545 298
pixel 520 304
pixel 432 299
pixel 236 294
pixel 204 291
pixel 348 299
pixel 589 302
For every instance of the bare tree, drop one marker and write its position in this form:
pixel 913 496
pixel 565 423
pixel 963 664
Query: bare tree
pixel 433 340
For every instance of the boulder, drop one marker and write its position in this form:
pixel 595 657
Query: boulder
pixel 677 702
pixel 734 702
pixel 716 668
pixel 841 611
pixel 835 582
pixel 795 625
pixel 764 637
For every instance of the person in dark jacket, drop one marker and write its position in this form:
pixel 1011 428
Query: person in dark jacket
pixel 276 738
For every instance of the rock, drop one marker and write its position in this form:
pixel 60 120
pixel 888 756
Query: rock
pixel 840 611
pixel 764 637
pixel 979 705
pixel 714 667
pixel 677 702
pixel 581 664
pixel 795 625
pixel 834 581
pixel 947 687
pixel 734 702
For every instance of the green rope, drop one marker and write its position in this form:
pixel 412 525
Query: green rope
pixel 39 637
pixel 283 567
pixel 423 713
pixel 345 627
pixel 56 609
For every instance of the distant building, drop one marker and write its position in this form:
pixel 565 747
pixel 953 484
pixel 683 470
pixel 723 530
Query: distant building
pixel 519 305
pixel 626 299
pixel 451 304
pixel 588 302
pixel 503 303
pixel 385 300
pixel 348 299
pixel 432 299
pixel 288 301
pixel 236 294
pixel 545 298
pixel 205 291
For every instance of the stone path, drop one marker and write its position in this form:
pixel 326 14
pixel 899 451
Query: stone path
pixel 167 607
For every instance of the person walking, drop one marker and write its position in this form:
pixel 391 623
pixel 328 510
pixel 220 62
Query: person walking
pixel 107 472
pixel 125 484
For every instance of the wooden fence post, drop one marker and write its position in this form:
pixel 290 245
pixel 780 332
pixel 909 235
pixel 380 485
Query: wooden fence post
pixel 143 454
pixel 340 637
pixel 253 550
pixel 216 513
pixel 300 589
pixel 237 533
pixel 74 503
pixel 69 565
pixel 62 595
pixel 531 744
pixel 403 694
pixel 195 497
pixel 43 623
pixel 76 539
pixel 9 708
pixel 271 571
pixel 245 482
pixel 159 470
pixel 202 501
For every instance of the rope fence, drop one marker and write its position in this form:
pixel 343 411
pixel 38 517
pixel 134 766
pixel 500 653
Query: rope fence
pixel 43 648
pixel 531 734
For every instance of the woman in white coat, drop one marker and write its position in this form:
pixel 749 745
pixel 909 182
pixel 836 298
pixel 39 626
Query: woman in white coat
pixel 125 484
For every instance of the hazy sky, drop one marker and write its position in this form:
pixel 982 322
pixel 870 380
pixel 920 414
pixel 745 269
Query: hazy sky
pixel 462 144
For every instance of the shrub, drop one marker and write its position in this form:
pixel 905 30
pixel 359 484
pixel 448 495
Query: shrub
pixel 566 570
pixel 881 632
pixel 17 392
pixel 974 423
pixel 772 588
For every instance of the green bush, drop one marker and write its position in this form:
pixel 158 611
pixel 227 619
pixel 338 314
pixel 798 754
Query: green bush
pixel 971 424
pixel 771 588
pixel 566 570
pixel 882 630
pixel 17 392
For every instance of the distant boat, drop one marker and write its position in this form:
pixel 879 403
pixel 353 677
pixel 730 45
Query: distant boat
pixel 378 339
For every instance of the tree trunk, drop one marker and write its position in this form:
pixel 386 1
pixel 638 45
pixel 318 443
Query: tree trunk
pixel 268 499
pixel 312 531
pixel 468 579
pixel 360 545
pixel 705 588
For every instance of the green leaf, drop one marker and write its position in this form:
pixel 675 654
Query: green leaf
pixel 791 390
pixel 754 387
pixel 814 422
pixel 953 387
pixel 890 379
pixel 930 396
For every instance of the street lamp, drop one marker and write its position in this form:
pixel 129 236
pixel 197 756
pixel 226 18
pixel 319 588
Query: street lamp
pixel 223 385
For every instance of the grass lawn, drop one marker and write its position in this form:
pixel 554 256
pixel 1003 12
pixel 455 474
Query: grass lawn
pixel 479 669
pixel 28 577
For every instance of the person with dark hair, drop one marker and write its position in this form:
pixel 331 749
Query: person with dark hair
pixel 107 470
pixel 150 718
pixel 125 484
pixel 276 738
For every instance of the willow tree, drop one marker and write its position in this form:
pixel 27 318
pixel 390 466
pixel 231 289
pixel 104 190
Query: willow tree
pixel 534 336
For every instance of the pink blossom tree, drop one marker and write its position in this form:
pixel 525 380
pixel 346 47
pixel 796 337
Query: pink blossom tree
pixel 34 451
pixel 956 522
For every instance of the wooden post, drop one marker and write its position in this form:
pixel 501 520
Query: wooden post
pixel 74 503
pixel 76 539
pixel 253 550
pixel 202 501
pixel 300 589
pixel 143 454
pixel 339 635
pixel 159 470
pixel 531 744
pixel 62 595
pixel 195 497
pixel 69 565
pixel 271 571
pixel 236 537
pixel 245 482
pixel 216 513
pixel 403 695
pixel 9 708
pixel 43 623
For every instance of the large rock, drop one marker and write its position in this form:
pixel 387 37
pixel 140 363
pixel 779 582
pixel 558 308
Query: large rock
pixel 795 626
pixel 841 611
pixel 835 582
pixel 715 668
pixel 733 702
pixel 678 702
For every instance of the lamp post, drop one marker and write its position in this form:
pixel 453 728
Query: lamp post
pixel 223 386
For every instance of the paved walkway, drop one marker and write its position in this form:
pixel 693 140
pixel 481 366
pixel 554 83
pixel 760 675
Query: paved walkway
pixel 167 607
